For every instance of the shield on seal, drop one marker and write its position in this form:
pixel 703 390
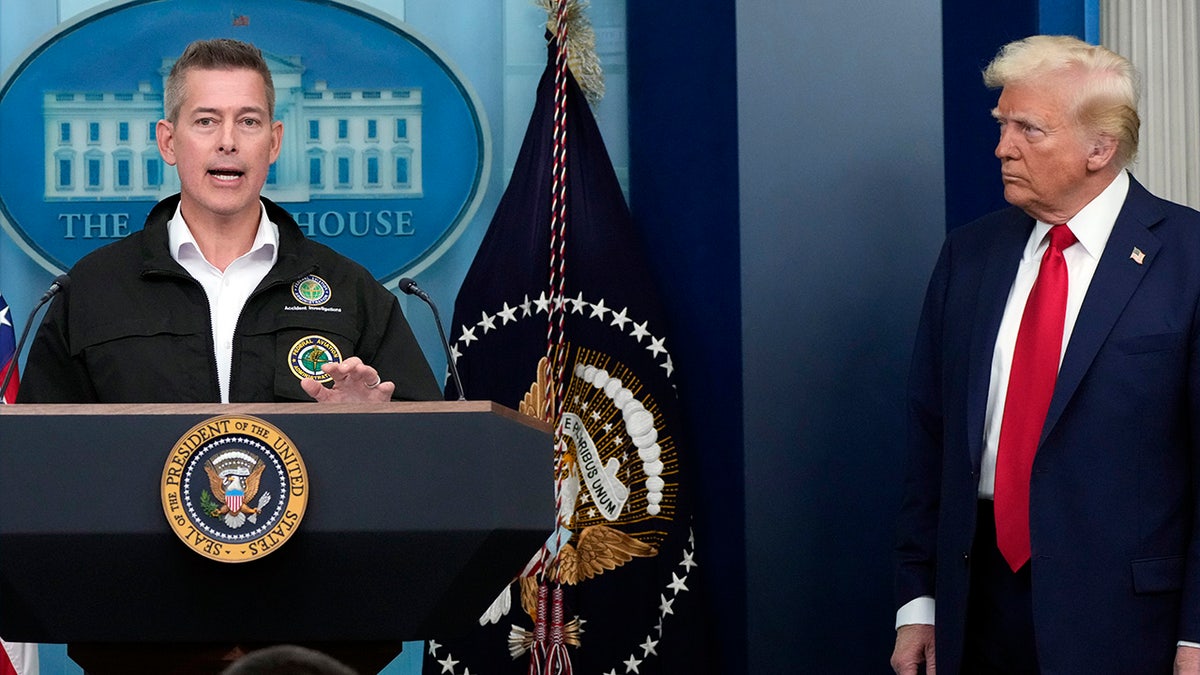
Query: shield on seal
pixel 233 499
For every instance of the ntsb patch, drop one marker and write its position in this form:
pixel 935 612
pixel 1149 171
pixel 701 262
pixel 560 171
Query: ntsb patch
pixel 309 353
pixel 234 488
pixel 312 290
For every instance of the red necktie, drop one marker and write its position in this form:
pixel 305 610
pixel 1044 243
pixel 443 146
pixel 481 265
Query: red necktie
pixel 1030 387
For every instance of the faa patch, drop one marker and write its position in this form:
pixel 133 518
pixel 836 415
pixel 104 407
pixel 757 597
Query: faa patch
pixel 234 488
pixel 312 290
pixel 309 353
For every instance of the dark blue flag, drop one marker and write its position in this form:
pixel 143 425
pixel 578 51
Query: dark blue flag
pixel 629 571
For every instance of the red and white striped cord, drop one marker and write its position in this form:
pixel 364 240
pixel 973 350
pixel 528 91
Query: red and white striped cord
pixel 555 332
pixel 556 346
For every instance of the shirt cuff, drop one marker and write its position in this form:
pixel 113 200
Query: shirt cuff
pixel 917 610
pixel 1184 643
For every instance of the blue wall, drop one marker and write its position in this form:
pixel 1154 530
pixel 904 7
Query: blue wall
pixel 842 213
pixel 972 33
pixel 684 198
pixel 825 243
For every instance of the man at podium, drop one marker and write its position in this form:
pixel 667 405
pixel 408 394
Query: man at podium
pixel 220 297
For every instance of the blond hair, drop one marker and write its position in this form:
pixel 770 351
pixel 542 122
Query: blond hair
pixel 1105 100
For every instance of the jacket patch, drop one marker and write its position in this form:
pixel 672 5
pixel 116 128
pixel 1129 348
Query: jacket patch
pixel 309 353
pixel 312 290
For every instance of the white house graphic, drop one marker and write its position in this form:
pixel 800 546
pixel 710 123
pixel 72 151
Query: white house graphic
pixel 337 143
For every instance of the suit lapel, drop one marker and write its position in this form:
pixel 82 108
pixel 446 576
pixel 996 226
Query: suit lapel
pixel 1000 267
pixel 1117 277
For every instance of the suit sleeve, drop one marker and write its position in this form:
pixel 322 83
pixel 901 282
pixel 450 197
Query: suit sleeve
pixel 916 542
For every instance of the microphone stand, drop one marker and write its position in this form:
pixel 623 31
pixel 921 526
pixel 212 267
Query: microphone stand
pixel 410 287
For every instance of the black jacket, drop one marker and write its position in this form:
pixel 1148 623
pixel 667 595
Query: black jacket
pixel 134 327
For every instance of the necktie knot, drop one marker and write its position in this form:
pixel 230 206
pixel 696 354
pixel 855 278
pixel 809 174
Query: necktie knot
pixel 1061 237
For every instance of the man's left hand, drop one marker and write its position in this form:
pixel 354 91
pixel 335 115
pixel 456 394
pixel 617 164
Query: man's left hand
pixel 1187 660
pixel 353 382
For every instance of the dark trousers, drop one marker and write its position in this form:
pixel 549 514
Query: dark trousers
pixel 999 631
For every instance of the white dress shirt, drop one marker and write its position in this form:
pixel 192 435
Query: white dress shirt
pixel 1091 226
pixel 227 291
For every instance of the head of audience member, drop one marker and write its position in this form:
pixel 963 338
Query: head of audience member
pixel 287 660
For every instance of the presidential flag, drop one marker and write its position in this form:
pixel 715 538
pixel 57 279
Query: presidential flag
pixel 559 317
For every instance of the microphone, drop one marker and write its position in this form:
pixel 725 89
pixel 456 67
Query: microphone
pixel 59 284
pixel 410 287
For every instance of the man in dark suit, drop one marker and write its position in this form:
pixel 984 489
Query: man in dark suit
pixel 1051 499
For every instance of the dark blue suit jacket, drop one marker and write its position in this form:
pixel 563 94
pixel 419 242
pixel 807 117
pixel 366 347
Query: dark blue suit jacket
pixel 1113 496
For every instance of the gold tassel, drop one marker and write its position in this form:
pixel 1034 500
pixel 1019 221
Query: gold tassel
pixel 581 47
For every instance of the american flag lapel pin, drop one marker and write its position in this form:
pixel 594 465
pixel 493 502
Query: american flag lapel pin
pixel 1137 256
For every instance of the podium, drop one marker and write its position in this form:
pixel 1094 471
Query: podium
pixel 418 515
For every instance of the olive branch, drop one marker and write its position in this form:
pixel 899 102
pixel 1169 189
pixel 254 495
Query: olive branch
pixel 208 504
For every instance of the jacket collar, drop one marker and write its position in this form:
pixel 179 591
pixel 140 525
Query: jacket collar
pixel 293 261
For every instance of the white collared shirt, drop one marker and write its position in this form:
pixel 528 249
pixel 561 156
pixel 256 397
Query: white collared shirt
pixel 227 291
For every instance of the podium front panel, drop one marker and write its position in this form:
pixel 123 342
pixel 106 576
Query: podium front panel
pixel 418 515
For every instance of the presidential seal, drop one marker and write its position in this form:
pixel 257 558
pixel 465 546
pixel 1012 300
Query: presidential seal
pixel 234 488
pixel 309 353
